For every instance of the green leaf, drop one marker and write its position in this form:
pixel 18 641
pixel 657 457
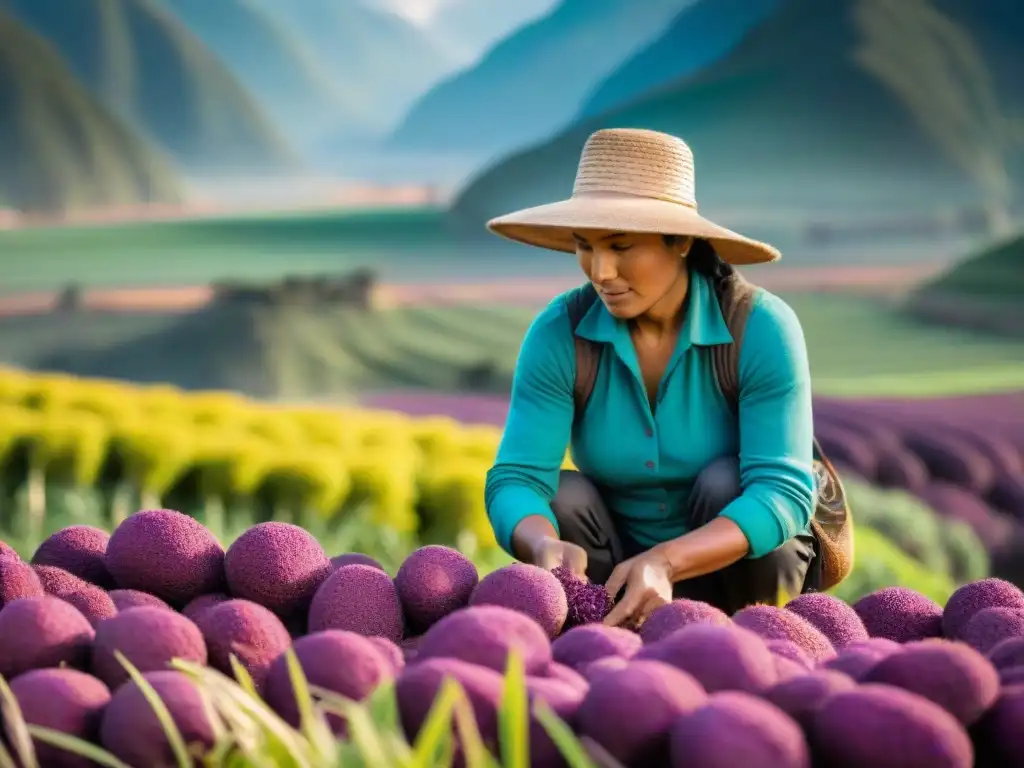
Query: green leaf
pixel 514 716
pixel 17 731
pixel 75 746
pixel 572 750
pixel 163 715
pixel 473 747
pixel 434 741
pixel 242 676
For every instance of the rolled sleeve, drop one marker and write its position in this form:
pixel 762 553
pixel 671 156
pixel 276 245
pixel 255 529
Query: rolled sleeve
pixel 524 478
pixel 776 429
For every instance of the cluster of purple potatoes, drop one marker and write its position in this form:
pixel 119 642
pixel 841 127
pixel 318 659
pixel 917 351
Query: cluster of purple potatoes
pixel 893 680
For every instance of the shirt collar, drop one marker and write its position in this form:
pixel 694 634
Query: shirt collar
pixel 703 325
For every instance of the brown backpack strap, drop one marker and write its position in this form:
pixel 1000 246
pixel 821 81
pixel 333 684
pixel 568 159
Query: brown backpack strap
pixel 588 353
pixel 736 297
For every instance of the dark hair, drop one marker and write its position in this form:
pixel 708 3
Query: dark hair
pixel 703 259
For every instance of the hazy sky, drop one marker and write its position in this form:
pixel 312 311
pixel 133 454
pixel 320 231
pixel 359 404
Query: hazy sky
pixel 419 11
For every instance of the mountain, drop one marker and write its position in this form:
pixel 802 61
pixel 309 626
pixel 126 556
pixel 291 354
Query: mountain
pixel 60 149
pixel 698 37
pixel 151 70
pixel 533 82
pixel 274 63
pixel 848 110
pixel 470 27
pixel 379 60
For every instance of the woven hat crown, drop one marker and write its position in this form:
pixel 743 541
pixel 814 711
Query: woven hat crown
pixel 639 162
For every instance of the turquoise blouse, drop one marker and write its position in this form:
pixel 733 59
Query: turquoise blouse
pixel 648 462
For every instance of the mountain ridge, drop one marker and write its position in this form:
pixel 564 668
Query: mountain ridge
pixel 62 150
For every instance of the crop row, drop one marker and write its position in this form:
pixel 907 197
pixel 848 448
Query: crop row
pixel 96 622
pixel 148 446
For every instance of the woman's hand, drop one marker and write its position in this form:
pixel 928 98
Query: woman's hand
pixel 549 553
pixel 647 579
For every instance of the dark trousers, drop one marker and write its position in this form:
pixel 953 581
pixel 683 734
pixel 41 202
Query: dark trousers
pixel 584 519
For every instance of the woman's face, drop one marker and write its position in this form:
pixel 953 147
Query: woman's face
pixel 631 272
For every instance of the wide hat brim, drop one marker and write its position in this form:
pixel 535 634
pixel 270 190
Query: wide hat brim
pixel 552 225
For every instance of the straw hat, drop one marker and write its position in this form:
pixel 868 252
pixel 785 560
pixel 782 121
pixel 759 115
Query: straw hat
pixel 630 180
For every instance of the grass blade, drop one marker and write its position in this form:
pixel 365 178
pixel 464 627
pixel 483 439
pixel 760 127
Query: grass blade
pixel 6 761
pixel 75 746
pixel 14 725
pixel 572 750
pixel 473 748
pixel 163 715
pixel 435 736
pixel 242 676
pixel 363 732
pixel 514 716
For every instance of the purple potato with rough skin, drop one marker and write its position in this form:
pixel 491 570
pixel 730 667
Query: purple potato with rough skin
pixel 786 669
pixel 971 598
pixel 432 582
pixel 599 667
pixel 17 580
pixel 150 638
pixel 857 659
pixel 131 598
pixel 81 551
pixel 1008 653
pixel 566 675
pixel 899 614
pixel 735 728
pixel 679 613
pixel 64 700
pixel 95 604
pixel 720 658
pixel 248 631
pixel 167 554
pixel 564 699
pixel 835 619
pixel 790 651
pixel 45 631
pixel 528 589
pixel 419 685
pixel 391 651
pixel 278 565
pixel 484 635
pixel 991 626
pixel 800 697
pixel 131 731
pixel 345 663
pixel 773 623
pixel 1011 676
pixel 951 674
pixel 354 558
pixel 998 733
pixel 360 599
pixel 582 645
pixel 7 552
pixel 882 726
pixel 609 712
pixel 199 605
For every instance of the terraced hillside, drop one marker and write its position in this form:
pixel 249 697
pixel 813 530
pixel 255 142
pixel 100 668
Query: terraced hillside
pixel 982 292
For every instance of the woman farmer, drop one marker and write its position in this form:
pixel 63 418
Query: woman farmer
pixel 677 495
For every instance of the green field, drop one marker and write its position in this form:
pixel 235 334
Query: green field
pixel 858 347
pixel 403 244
